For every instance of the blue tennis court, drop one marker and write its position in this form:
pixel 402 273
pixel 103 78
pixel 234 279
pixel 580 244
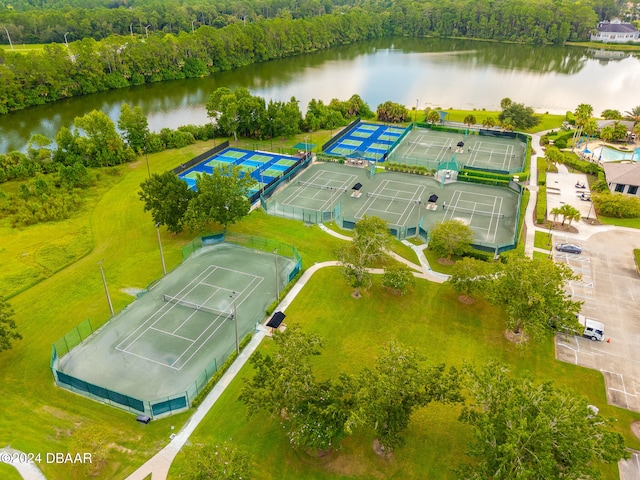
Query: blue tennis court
pixel 366 140
pixel 264 167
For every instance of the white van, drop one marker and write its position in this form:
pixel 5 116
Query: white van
pixel 593 329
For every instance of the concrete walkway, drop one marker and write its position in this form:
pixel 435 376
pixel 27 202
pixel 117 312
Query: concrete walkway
pixel 27 469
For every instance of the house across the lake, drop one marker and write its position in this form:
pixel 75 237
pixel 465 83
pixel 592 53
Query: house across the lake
pixel 623 177
pixel 616 32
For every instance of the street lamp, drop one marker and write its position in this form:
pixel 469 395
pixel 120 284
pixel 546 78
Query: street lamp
pixel 106 289
pixel 9 37
pixel 590 207
pixel 131 29
pixel 415 117
pixel 235 320
pixel 146 30
pixel 275 251
pixel 65 40
pixel 164 268
pixel 192 29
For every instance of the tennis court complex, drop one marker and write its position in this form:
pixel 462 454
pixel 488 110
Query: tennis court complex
pixel 502 152
pixel 264 167
pixel 409 203
pixel 365 140
pixel 151 357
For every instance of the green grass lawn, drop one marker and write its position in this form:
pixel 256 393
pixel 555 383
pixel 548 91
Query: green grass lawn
pixel 24 47
pixel 542 240
pixel 636 254
pixel 39 417
pixel 620 222
pixel 547 121
pixel 430 319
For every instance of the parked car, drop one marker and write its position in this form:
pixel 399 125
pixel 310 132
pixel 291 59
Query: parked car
pixel 568 248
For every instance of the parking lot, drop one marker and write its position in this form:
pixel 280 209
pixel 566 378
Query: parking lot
pixel 610 289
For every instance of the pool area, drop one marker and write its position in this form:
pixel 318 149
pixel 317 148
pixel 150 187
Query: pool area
pixel 607 154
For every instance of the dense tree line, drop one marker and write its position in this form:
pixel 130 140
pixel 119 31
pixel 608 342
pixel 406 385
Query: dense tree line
pixel 169 46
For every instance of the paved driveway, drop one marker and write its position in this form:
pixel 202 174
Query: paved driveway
pixel 610 290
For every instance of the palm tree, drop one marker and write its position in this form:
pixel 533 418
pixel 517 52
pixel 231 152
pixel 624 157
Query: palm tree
pixel 469 120
pixel 489 122
pixel 569 213
pixel 555 212
pixel 634 114
pixel 583 114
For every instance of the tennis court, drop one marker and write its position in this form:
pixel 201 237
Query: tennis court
pixel 366 140
pixel 162 343
pixel 397 202
pixel 264 167
pixel 502 152
pixel 482 212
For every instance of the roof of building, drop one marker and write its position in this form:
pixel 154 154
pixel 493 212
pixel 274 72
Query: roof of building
pixel 606 27
pixel 606 123
pixel 622 173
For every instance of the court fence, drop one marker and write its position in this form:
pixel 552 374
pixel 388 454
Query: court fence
pixel 401 232
pixel 343 133
pixel 180 401
pixel 201 158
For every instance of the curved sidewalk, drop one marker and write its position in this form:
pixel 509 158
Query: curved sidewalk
pixel 28 470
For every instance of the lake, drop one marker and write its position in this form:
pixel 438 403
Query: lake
pixel 443 73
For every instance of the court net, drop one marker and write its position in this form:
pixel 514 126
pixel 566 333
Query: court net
pixel 474 211
pixel 321 186
pixel 393 199
pixel 195 306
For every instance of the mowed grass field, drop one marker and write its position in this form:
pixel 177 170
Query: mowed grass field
pixel 38 417
pixel 24 47
pixel 430 319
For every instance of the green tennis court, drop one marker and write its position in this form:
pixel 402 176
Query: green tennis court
pixel 156 350
pixel 286 163
pixel 351 143
pixel 234 154
pixel 256 157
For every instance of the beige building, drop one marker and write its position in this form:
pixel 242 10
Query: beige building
pixel 623 177
pixel 616 32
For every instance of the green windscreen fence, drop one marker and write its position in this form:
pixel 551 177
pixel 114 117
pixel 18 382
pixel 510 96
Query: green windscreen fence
pixel 72 339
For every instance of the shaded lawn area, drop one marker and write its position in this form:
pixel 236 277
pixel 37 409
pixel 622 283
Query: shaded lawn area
pixel 542 240
pixel 430 319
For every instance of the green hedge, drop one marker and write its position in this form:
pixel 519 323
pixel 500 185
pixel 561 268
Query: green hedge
pixel 406 168
pixel 215 378
pixel 541 205
pixel 571 160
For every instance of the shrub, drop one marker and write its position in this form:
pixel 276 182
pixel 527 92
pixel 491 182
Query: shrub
pixel 616 205
pixel 541 205
pixel 398 279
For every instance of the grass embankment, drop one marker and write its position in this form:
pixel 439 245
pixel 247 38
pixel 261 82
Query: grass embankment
pixel 605 46
pixel 620 222
pixel 547 121
pixel 24 47
pixel 432 320
pixel 636 254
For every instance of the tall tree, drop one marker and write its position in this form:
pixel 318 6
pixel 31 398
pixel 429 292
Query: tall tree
pixel 101 145
pixel 470 276
pixel 528 431
pixel 398 384
pixel 583 113
pixel 371 237
pixel 470 120
pixel 222 197
pixel 518 115
pixel 633 114
pixel 569 213
pixel 451 237
pixel 134 126
pixel 167 198
pixel 8 328
pixel 533 292
pixel 314 414
pixel 392 112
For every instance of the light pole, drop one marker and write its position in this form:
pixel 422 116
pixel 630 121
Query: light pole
pixel 106 289
pixel 590 207
pixel 131 29
pixel 275 251
pixel 235 320
pixel 415 117
pixel 65 40
pixel 9 37
pixel 146 30
pixel 192 29
pixel 164 268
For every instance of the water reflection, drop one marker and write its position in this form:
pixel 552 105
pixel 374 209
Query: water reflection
pixel 436 72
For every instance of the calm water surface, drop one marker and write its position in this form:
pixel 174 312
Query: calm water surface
pixel 427 72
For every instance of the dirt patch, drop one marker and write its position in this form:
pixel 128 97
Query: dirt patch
pixel 466 299
pixel 446 261
pixel 515 337
pixel 556 226
pixel 132 291
pixel 380 451
pixel 635 428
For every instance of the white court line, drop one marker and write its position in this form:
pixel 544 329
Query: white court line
pixel 205 341
pixel 209 270
pixel 380 189
pixel 172 334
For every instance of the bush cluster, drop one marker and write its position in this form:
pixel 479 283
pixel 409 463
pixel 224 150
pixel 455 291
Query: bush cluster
pixel 616 205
